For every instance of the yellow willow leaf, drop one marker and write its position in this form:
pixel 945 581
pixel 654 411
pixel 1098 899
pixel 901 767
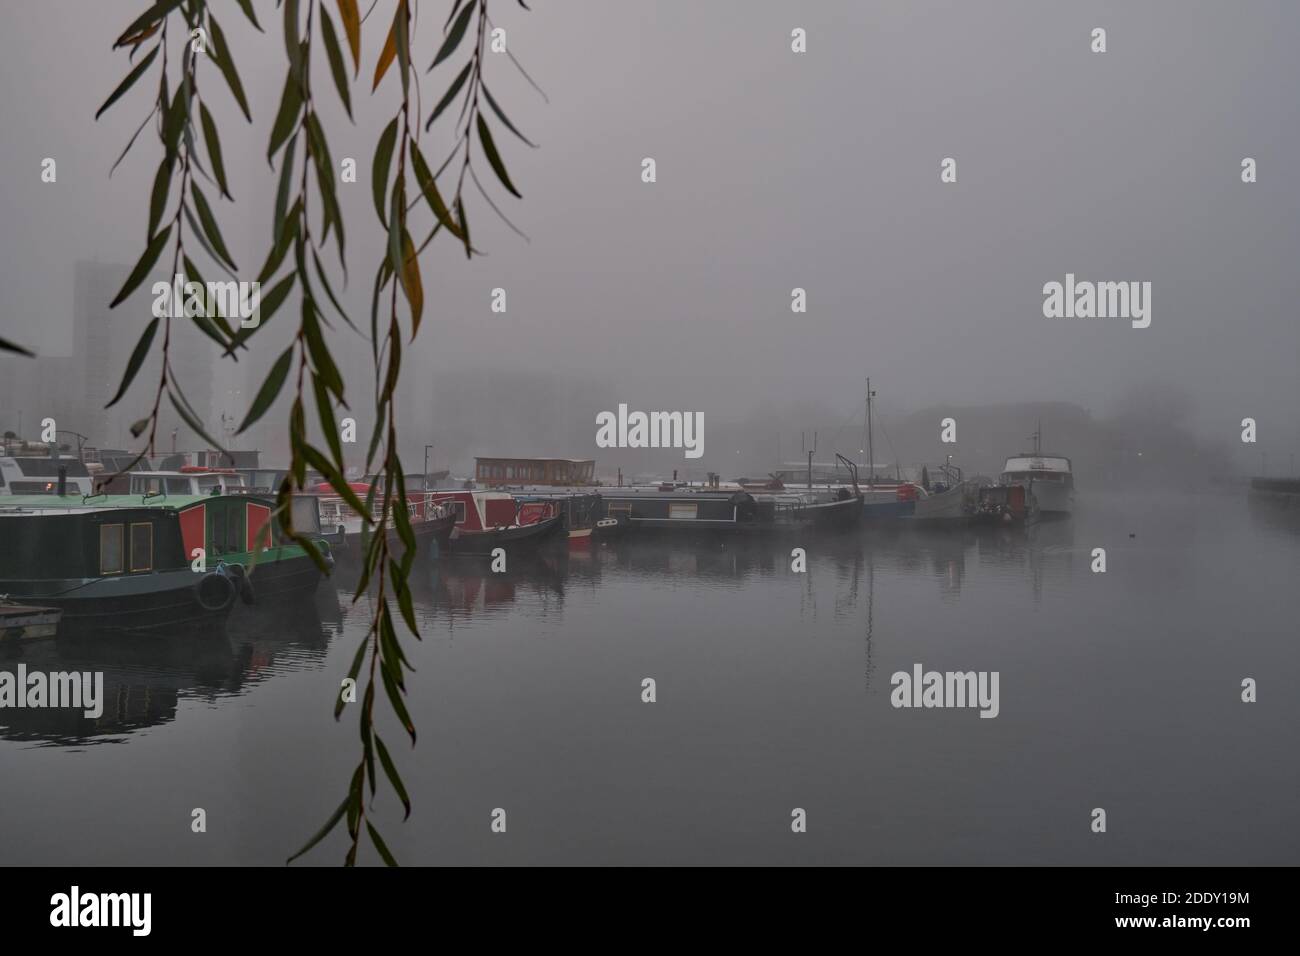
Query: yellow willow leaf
pixel 411 283
pixel 352 27
pixel 390 48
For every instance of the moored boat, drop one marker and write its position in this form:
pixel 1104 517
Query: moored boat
pixel 154 563
pixel 1049 478
pixel 486 520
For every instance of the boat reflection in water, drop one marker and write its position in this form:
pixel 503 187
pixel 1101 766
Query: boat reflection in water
pixel 147 679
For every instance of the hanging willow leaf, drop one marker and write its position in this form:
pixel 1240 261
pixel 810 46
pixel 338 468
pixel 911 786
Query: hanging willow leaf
pixel 389 53
pixel 247 7
pixel 266 308
pixel 137 359
pixel 449 95
pixel 158 198
pixel 324 831
pixel 282 193
pixel 502 116
pixel 175 123
pixel 270 389
pixel 394 777
pixel 292 41
pixel 329 292
pixel 216 327
pixel 214 150
pixel 454 37
pixel 191 418
pixel 401 25
pixel 226 64
pixel 131 142
pixel 289 232
pixel 335 55
pixel 287 117
pixel 325 409
pixel 379 170
pixel 429 187
pixel 464 227
pixel 321 359
pixel 142 267
pixel 412 284
pixel 7 346
pixel 352 28
pixel 399 706
pixel 209 222
pixel 493 157
pixel 127 83
pixel 151 16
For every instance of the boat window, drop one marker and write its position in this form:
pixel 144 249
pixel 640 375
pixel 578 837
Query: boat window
pixel 207 483
pixel 682 510
pixel 142 547
pixel 110 549
pixel 457 507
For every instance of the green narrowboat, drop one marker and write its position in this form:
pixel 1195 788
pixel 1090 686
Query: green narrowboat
pixel 132 563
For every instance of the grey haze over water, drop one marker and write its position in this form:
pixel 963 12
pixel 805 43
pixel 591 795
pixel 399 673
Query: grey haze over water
pixel 775 171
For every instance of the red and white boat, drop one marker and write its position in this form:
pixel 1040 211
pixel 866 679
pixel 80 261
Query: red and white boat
pixel 430 520
pixel 485 520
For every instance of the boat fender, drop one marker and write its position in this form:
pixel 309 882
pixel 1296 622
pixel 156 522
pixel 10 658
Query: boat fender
pixel 239 578
pixel 214 591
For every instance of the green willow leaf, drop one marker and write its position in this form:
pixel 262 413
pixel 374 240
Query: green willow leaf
pixel 390 768
pixel 336 480
pixel 325 408
pixel 449 95
pixel 337 67
pixel 324 831
pixel 287 116
pixel 505 119
pixel 464 227
pixel 321 360
pixel 226 64
pixel 191 418
pixel 151 253
pixel 379 170
pixel 399 706
pixel 270 389
pixel 282 193
pixel 158 197
pixel 403 44
pixel 494 158
pixel 214 150
pixel 137 359
pixel 267 307
pixel 131 142
pixel 247 7
pixel 279 250
pixel 329 292
pixel 209 223
pixel 151 16
pixel 175 123
pixel 292 38
pixel 127 83
pixel 428 186
pixel 454 37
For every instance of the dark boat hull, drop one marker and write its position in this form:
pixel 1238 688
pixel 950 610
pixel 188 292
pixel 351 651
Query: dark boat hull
pixel 526 536
pixel 158 602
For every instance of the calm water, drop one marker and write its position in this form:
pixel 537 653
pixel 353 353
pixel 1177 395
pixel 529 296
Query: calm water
pixel 1118 690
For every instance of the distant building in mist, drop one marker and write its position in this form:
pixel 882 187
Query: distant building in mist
pixel 73 387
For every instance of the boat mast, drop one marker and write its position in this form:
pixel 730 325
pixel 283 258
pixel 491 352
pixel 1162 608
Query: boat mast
pixel 871 454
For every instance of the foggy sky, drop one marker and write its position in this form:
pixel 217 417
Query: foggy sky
pixel 775 170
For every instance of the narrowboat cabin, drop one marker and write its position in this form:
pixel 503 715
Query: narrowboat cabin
pixel 654 510
pixel 189 480
pixel 430 521
pixel 486 520
pixel 114 563
pixel 41 475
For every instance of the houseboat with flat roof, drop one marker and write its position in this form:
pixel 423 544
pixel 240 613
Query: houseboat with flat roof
pixel 542 472
pixel 158 563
